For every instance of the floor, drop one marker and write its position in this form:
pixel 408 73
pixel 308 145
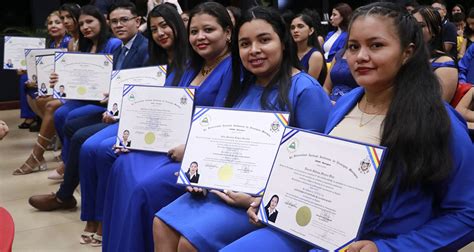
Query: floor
pixel 34 230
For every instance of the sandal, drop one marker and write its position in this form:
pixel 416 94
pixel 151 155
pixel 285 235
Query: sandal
pixel 38 166
pixel 96 240
pixel 86 237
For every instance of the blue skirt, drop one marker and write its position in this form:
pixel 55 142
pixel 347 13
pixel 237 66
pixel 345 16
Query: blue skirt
pixel 208 223
pixel 267 239
pixel 127 171
pixel 151 194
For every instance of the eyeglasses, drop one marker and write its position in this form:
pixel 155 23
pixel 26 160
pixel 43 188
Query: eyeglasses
pixel 122 20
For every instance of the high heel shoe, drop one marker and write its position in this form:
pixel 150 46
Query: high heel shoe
pixel 38 166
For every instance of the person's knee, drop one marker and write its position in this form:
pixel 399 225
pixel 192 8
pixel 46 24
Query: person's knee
pixel 185 246
pixel 79 137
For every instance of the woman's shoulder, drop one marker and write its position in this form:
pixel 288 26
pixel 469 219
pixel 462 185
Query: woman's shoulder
pixel 302 81
pixel 443 59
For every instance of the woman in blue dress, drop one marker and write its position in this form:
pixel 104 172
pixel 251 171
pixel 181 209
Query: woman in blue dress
pixel 423 199
pixel 339 80
pixel 167 46
pixel 210 29
pixel 443 65
pixel 335 40
pixel 303 31
pixel 57 38
pixel 94 38
pixel 35 161
pixel 270 81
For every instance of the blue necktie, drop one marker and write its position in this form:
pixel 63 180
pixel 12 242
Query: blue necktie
pixel 121 58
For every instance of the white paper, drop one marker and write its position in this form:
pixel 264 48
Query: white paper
pixel 83 76
pixel 145 76
pixel 323 185
pixel 30 56
pixel 234 149
pixel 14 50
pixel 44 68
pixel 154 118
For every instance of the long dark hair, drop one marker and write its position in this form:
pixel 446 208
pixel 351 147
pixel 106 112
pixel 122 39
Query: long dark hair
pixel 433 21
pixel 74 10
pixel 468 31
pixel 216 10
pixel 416 128
pixel 158 55
pixel 85 44
pixel 267 206
pixel 281 80
pixel 346 11
pixel 313 41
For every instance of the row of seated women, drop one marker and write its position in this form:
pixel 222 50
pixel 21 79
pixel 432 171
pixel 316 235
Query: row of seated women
pixel 130 200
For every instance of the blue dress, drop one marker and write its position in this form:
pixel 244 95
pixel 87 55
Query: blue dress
pixel 209 223
pixel 337 46
pixel 25 109
pixel 341 78
pixel 304 62
pixel 128 216
pixel 73 108
pixel 97 157
pixel 410 220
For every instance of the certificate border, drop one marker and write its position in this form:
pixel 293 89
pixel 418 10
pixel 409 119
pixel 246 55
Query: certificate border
pixel 203 110
pixel 27 51
pixel 59 55
pixel 293 132
pixel 37 60
pixel 7 38
pixel 114 74
pixel 128 87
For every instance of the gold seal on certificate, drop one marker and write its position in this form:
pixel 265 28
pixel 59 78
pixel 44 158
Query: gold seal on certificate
pixel 82 76
pixel 231 149
pixel 322 177
pixel 145 76
pixel 14 50
pixel 154 118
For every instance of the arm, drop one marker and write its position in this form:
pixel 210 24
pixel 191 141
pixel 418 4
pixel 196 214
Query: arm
pixel 465 108
pixel 455 217
pixel 328 82
pixel 448 78
pixel 312 101
pixel 316 62
pixel 463 48
pixel 464 63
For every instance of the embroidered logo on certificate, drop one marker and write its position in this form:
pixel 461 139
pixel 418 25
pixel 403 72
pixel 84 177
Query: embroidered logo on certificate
pixel 82 76
pixel 145 76
pixel 14 50
pixel 319 188
pixel 154 118
pixel 231 149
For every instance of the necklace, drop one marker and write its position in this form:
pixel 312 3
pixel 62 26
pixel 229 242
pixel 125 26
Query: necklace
pixel 361 121
pixel 206 70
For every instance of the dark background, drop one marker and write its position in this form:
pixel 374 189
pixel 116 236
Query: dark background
pixel 27 18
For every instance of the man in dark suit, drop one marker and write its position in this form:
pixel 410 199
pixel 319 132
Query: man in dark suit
pixel 124 22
